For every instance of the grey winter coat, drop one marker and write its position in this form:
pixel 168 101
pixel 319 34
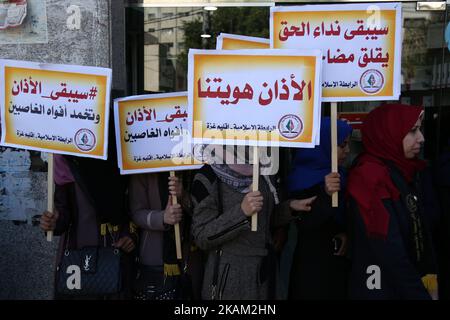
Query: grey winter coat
pixel 245 265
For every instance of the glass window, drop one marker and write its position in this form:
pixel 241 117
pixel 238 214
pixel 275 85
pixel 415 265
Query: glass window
pixel 422 74
pixel 159 40
pixel 170 32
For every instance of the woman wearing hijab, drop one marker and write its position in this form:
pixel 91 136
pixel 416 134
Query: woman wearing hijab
pixel 240 263
pixel 91 210
pixel 392 255
pixel 319 269
pixel 153 211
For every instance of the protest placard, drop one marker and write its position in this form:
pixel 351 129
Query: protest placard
pixel 55 108
pixel 258 97
pixel 153 133
pixel 226 41
pixel 361 45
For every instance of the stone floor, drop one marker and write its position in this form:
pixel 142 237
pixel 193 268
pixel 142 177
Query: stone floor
pixel 26 262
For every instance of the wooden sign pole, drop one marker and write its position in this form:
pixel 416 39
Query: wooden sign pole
pixel 177 227
pixel 255 184
pixel 334 159
pixel 50 191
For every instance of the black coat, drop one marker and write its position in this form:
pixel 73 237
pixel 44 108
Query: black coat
pixel 442 235
pixel 316 272
pixel 400 274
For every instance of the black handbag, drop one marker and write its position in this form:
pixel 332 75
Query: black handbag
pixel 89 271
pixel 151 284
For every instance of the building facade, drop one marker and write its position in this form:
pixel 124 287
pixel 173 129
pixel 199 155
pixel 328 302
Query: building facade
pixel 146 43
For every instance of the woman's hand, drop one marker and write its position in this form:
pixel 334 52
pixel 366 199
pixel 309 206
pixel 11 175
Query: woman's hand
pixel 332 183
pixel 48 220
pixel 302 205
pixel 175 187
pixel 252 203
pixel 126 244
pixel 173 213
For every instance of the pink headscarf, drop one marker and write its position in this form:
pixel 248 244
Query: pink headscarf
pixel 61 170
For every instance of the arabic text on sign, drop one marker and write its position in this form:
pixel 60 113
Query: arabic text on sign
pixel 266 96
